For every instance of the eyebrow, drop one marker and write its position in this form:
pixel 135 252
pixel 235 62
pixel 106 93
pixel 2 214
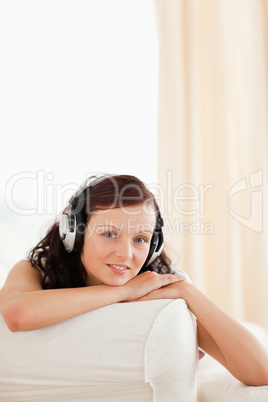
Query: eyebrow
pixel 110 226
pixel 120 228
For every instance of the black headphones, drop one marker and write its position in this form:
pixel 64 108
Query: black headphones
pixel 73 223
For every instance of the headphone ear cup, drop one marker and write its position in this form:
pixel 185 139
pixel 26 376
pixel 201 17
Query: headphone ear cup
pixel 79 227
pixel 156 247
pixel 73 222
pixel 67 231
pixel 63 226
pixel 72 229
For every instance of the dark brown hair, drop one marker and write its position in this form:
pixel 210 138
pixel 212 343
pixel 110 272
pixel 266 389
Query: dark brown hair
pixel 64 270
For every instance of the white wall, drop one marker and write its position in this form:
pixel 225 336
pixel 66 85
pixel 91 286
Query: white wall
pixel 78 95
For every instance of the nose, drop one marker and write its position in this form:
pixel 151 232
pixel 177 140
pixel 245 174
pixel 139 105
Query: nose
pixel 123 249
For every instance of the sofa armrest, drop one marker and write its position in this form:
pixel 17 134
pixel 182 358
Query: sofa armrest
pixel 143 351
pixel 217 384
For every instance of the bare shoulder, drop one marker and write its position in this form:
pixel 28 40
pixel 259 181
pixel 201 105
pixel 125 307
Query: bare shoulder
pixel 23 277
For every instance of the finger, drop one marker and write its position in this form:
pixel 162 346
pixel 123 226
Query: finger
pixel 173 278
pixel 180 278
pixel 166 279
pixel 144 298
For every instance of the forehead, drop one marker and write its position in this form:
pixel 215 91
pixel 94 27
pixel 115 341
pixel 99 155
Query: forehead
pixel 140 213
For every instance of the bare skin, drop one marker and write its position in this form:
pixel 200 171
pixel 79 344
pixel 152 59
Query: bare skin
pixel 220 335
pixel 26 306
pixel 119 246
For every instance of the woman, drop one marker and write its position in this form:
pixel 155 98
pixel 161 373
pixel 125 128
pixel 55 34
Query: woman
pixel 107 248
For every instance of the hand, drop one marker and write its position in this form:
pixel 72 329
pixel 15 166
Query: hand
pixel 147 282
pixel 171 291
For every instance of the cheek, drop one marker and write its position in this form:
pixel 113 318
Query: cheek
pixel 142 254
pixel 94 249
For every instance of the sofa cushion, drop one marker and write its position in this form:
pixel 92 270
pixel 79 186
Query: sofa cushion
pixel 140 351
pixel 217 384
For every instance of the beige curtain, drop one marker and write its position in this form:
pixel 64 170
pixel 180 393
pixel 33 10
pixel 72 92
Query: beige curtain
pixel 212 149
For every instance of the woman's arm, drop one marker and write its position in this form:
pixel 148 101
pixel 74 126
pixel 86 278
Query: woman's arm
pixel 221 336
pixel 26 306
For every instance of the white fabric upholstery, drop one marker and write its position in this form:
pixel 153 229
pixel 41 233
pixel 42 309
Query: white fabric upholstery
pixel 216 384
pixel 142 351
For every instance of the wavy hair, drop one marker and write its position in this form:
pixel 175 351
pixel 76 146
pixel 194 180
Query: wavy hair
pixel 61 269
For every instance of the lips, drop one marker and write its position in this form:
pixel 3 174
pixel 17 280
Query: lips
pixel 118 269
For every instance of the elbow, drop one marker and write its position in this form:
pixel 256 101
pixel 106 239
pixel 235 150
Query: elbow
pixel 15 318
pixel 264 377
pixel 261 379
pixel 264 369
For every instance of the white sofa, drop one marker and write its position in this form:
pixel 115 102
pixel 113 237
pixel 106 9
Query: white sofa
pixel 216 384
pixel 126 352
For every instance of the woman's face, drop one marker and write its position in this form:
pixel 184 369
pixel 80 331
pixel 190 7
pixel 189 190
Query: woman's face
pixel 116 244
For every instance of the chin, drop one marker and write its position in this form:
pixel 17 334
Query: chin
pixel 116 281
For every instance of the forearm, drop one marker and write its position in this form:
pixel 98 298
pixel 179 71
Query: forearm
pixel 42 308
pixel 35 308
pixel 237 349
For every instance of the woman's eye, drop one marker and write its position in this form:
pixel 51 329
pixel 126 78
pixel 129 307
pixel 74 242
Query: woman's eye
pixel 141 240
pixel 109 234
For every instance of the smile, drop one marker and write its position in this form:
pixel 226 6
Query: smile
pixel 118 268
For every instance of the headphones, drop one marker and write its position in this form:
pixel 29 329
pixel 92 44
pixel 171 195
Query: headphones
pixel 73 223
